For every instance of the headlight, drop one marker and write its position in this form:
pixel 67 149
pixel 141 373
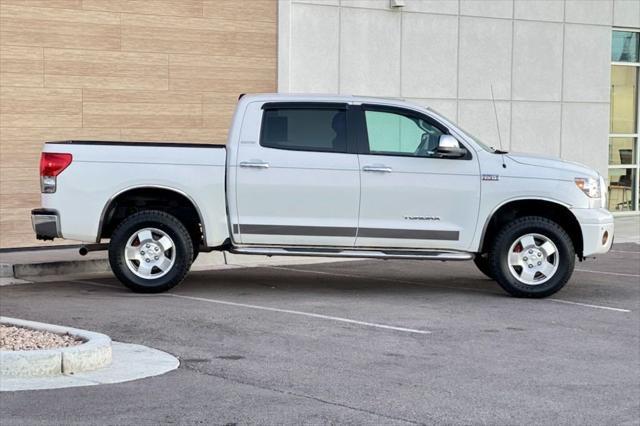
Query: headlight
pixel 590 186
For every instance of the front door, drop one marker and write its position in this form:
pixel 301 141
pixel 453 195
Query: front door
pixel 410 197
pixel 296 184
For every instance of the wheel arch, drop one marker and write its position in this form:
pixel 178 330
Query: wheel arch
pixel 551 209
pixel 142 197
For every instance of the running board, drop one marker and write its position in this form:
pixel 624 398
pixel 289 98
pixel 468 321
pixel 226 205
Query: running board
pixel 355 253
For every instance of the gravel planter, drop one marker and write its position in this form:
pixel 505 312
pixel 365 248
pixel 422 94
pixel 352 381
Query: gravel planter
pixel 63 350
pixel 14 338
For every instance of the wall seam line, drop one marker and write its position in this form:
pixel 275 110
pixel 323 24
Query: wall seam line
pixel 339 46
pixel 513 31
pixel 401 53
pixel 458 69
pixel 562 61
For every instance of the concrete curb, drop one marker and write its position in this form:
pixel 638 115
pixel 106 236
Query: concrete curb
pixel 29 270
pixel 130 362
pixel 6 270
pixel 95 353
pixel 35 265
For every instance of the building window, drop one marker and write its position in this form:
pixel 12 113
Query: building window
pixel 624 158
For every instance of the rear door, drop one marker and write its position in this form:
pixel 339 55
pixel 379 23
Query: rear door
pixel 411 198
pixel 297 182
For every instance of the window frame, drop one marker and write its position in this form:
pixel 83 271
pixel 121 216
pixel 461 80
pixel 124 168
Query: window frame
pixel 635 166
pixel 363 134
pixel 288 105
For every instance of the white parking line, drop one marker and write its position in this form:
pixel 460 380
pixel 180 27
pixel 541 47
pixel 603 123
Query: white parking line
pixel 308 271
pixel 285 311
pixel 608 308
pixel 335 274
pixel 608 273
pixel 463 288
pixel 306 314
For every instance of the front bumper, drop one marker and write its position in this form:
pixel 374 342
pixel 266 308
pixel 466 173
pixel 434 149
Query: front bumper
pixel 597 230
pixel 46 224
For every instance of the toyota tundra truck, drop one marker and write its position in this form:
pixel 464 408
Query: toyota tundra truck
pixel 338 176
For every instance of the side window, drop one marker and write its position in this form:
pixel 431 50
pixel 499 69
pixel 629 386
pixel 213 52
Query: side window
pixel 396 134
pixel 305 129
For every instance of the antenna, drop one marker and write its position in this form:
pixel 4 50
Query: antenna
pixel 495 113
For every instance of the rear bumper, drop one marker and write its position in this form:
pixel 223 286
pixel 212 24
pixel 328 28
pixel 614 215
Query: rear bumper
pixel 597 230
pixel 46 224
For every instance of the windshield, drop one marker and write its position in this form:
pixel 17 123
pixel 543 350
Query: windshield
pixel 476 140
pixel 470 136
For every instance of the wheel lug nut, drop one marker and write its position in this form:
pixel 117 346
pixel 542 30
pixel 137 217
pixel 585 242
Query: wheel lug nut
pixel 530 251
pixel 148 260
pixel 148 246
pixel 539 263
pixel 525 258
pixel 158 258
pixel 530 266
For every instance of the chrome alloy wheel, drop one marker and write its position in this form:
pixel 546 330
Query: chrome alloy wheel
pixel 533 259
pixel 150 253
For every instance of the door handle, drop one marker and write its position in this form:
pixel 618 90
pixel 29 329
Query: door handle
pixel 255 164
pixel 381 169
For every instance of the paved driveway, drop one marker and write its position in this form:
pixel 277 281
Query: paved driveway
pixel 388 342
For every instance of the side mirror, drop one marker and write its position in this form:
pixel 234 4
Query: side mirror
pixel 449 147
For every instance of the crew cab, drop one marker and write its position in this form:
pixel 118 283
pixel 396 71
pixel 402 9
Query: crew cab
pixel 340 176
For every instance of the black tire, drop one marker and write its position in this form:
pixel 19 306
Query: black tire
pixel 196 250
pixel 499 253
pixel 196 242
pixel 182 244
pixel 482 262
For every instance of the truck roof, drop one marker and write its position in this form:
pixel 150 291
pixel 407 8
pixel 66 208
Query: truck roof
pixel 319 97
pixel 315 97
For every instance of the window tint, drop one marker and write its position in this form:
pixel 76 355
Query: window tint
pixel 396 134
pixel 306 129
pixel 625 46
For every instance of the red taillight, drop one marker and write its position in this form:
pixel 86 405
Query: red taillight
pixel 53 163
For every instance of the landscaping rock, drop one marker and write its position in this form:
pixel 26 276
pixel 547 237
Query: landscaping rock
pixel 14 338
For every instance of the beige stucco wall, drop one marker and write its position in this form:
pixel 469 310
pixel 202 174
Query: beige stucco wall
pixel 162 70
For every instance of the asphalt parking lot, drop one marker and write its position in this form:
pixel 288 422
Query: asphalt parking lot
pixel 364 342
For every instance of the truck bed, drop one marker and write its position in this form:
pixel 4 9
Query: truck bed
pixel 134 143
pixel 102 170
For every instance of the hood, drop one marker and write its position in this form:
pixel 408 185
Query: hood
pixel 579 170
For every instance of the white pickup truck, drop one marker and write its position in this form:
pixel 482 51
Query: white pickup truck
pixel 338 176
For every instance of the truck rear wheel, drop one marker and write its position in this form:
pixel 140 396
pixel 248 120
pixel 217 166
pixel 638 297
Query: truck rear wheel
pixel 150 251
pixel 532 257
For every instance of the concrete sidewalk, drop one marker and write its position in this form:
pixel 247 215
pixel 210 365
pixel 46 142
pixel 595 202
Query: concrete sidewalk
pixel 28 264
pixel 627 229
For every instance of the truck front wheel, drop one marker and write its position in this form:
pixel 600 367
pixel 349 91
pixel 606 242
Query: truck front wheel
pixel 532 257
pixel 150 251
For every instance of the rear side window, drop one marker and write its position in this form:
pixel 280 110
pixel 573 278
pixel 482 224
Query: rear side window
pixel 305 129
